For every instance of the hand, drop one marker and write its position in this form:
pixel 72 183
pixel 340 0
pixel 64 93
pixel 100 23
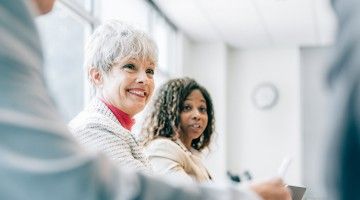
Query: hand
pixel 272 190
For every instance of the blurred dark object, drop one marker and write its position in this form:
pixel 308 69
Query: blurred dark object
pixel 233 177
pixel 237 178
pixel 247 175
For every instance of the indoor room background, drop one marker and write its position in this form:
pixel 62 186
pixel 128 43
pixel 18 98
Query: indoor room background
pixel 263 61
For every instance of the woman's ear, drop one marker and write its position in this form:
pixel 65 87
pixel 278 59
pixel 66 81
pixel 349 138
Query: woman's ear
pixel 95 76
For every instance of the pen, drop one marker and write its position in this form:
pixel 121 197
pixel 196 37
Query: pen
pixel 284 167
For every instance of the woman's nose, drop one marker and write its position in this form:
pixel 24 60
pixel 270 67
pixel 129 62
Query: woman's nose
pixel 196 115
pixel 142 78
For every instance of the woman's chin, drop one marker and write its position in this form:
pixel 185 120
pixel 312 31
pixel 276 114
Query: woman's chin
pixel 137 108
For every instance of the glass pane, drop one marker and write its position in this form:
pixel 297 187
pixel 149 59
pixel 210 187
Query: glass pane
pixel 63 41
pixel 166 39
pixel 160 35
pixel 134 12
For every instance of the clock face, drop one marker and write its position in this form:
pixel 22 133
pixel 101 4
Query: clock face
pixel 265 96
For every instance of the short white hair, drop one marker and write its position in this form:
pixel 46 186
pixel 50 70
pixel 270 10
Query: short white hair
pixel 114 41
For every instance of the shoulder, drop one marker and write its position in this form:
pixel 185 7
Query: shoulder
pixel 165 147
pixel 161 141
pixel 162 144
pixel 90 122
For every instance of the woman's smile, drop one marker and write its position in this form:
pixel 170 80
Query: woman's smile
pixel 138 92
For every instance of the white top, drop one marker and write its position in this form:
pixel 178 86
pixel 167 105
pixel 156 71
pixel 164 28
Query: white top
pixel 172 159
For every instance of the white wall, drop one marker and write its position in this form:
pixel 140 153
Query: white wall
pixel 207 64
pixel 249 138
pixel 257 139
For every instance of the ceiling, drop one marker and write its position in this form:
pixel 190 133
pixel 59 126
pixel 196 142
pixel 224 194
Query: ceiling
pixel 253 23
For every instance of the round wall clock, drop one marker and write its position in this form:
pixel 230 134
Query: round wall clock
pixel 265 96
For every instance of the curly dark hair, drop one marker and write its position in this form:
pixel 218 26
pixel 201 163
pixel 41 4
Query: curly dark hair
pixel 164 118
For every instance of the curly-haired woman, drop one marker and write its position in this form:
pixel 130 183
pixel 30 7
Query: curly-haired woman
pixel 179 128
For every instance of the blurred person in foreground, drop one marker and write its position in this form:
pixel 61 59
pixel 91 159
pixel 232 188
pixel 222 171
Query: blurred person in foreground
pixel 38 157
pixel 344 81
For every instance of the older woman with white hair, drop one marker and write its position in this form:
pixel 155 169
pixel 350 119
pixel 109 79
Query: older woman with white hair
pixel 120 63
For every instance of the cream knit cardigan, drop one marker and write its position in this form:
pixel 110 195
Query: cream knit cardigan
pixel 97 128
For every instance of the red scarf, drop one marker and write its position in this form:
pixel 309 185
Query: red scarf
pixel 125 120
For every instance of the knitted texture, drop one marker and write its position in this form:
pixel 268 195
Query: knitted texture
pixel 97 129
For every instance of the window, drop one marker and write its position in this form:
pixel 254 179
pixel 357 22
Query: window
pixel 63 33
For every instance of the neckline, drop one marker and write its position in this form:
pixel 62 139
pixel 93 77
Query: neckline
pixel 123 118
pixel 182 146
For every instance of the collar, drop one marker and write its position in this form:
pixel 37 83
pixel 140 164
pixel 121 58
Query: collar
pixel 183 147
pixel 125 120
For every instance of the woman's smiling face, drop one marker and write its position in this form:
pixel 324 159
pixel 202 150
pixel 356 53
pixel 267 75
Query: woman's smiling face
pixel 128 85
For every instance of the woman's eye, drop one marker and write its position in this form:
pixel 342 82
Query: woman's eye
pixel 129 66
pixel 187 108
pixel 203 110
pixel 150 71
